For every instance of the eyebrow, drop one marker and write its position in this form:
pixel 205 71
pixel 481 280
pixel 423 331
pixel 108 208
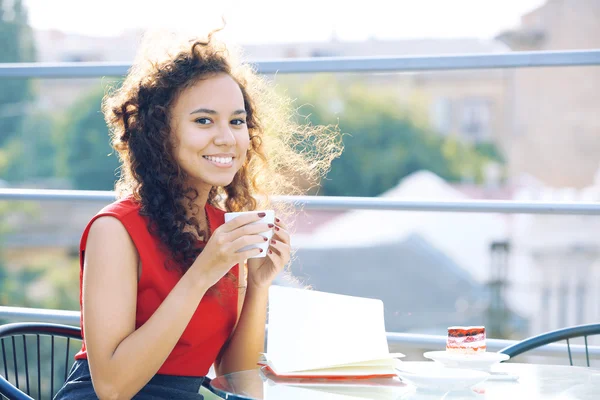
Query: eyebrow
pixel 213 112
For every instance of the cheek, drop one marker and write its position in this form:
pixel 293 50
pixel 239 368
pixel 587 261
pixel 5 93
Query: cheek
pixel 188 148
pixel 194 141
pixel 243 140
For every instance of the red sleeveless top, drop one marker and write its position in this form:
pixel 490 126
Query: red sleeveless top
pixel 216 315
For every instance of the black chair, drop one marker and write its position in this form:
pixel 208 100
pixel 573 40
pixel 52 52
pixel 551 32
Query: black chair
pixel 21 343
pixel 24 381
pixel 554 336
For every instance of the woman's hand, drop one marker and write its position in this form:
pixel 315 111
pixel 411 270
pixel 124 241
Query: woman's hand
pixel 222 249
pixel 262 271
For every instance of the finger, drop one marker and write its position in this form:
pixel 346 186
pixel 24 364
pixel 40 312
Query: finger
pixel 247 230
pixel 242 220
pixel 280 223
pixel 281 249
pixel 278 260
pixel 246 254
pixel 281 234
pixel 244 241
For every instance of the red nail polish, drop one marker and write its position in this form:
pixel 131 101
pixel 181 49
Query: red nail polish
pixel 271 225
pixel 261 250
pixel 277 219
pixel 276 228
pixel 270 251
pixel 265 239
pixel 262 214
pixel 273 242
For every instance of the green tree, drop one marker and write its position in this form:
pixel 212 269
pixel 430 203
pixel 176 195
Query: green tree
pixel 3 271
pixel 383 142
pixel 17 44
pixel 36 143
pixel 86 157
pixel 14 282
pixel 50 283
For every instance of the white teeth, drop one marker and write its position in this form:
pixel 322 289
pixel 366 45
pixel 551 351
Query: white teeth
pixel 220 160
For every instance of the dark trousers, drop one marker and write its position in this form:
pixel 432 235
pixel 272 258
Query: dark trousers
pixel 78 386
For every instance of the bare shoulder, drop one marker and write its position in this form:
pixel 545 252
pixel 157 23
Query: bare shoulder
pixel 109 287
pixel 109 245
pixel 107 226
pixel 110 234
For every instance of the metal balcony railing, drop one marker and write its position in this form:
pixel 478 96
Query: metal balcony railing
pixel 333 64
pixel 398 342
pixel 341 64
pixel 342 203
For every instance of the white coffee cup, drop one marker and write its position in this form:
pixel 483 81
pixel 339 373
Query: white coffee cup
pixel 269 218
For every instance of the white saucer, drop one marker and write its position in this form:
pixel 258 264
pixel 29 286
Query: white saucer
pixel 503 376
pixel 431 376
pixel 423 394
pixel 482 361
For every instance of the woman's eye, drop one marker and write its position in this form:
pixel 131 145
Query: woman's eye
pixel 203 121
pixel 238 122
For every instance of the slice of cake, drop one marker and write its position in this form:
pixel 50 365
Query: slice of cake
pixel 466 339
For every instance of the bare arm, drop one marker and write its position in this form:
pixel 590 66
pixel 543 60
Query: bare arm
pixel 120 363
pixel 247 342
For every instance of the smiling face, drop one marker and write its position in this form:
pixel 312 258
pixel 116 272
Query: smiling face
pixel 210 133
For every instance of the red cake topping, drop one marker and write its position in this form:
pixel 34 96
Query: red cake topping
pixel 460 331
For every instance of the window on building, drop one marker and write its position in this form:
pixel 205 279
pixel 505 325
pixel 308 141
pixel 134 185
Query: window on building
pixel 563 302
pixel 580 303
pixel 291 53
pixel 476 119
pixel 441 115
pixel 336 106
pixel 322 53
pixel 80 57
pixel 545 309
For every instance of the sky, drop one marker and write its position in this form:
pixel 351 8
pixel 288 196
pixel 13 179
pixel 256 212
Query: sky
pixel 264 21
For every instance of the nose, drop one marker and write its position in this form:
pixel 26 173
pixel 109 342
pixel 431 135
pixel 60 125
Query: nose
pixel 225 137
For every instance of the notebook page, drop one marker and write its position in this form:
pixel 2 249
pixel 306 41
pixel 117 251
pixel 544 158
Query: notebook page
pixel 310 330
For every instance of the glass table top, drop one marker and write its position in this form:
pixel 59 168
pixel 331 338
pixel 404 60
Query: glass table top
pixel 508 380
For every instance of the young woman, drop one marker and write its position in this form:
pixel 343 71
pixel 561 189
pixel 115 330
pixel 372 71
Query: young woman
pixel 166 291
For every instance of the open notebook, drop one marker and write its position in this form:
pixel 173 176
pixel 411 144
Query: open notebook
pixel 315 334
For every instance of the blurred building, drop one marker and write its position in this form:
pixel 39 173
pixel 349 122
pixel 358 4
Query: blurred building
pixel 471 104
pixel 540 272
pixel 431 269
pixel 555 260
pixel 54 46
pixel 544 119
pixel 555 134
pixel 46 232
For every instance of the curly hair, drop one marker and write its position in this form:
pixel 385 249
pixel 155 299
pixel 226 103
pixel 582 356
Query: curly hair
pixel 282 151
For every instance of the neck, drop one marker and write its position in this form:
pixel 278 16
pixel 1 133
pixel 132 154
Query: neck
pixel 201 200
pixel 200 214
